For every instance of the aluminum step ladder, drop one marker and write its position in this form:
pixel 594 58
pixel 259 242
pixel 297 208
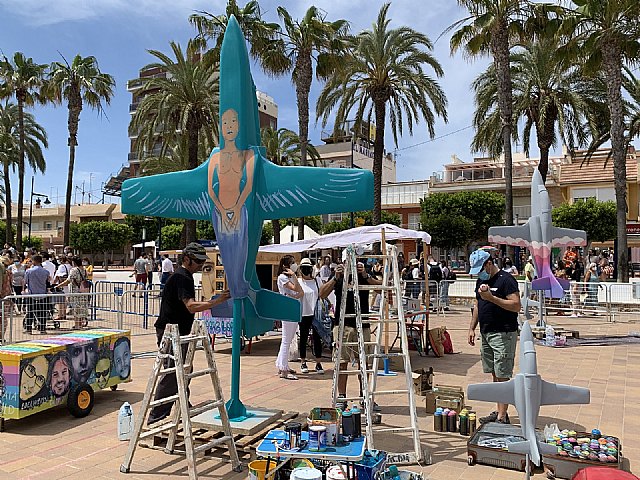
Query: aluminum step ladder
pixel 182 413
pixel 390 287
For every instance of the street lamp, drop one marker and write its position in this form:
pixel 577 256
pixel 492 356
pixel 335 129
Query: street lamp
pixel 38 201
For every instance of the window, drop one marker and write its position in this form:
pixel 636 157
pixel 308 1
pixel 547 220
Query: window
pixel 413 221
pixel 48 225
pixel 602 194
pixel 335 217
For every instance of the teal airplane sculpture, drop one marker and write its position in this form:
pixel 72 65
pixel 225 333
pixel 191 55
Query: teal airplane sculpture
pixel 237 189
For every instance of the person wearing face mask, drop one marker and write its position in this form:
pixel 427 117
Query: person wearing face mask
pixel 509 267
pixel 496 309
pixel 289 286
pixel 179 306
pixel 310 287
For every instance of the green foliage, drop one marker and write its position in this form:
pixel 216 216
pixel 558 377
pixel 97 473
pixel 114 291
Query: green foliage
pixel 171 235
pixel 448 231
pixel 314 223
pixel 482 209
pixel 596 218
pixel 3 227
pixel 99 236
pixel 267 233
pixel 205 230
pixel 36 242
pixel 138 222
pixel 360 219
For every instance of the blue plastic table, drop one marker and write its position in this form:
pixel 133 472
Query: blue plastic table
pixel 349 453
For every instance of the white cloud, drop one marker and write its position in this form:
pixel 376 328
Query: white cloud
pixel 47 12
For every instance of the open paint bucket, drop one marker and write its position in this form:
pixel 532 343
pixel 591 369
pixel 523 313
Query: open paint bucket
pixel 258 468
pixel 306 473
pixel 317 438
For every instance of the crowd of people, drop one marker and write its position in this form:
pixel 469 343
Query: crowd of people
pixel 26 276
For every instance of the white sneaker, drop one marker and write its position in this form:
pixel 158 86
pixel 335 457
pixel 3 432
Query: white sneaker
pixel 574 315
pixel 304 368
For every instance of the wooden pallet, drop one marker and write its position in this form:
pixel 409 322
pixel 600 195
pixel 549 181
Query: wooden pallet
pixel 245 444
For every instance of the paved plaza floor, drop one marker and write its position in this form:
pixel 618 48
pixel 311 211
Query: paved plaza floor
pixel 52 444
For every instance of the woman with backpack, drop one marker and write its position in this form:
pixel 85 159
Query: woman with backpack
pixel 78 283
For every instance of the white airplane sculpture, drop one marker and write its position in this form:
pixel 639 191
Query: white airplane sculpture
pixel 527 391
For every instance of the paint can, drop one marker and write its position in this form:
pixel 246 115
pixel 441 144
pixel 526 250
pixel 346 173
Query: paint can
pixel 306 473
pixel 317 438
pixel 258 468
pixel 294 432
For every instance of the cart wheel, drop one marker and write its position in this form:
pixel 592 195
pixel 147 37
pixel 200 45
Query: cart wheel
pixel 114 387
pixel 80 400
pixel 471 461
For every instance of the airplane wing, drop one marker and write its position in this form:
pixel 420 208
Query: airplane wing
pixel 558 394
pixel 304 191
pixel 508 235
pixel 492 392
pixel 564 237
pixel 173 195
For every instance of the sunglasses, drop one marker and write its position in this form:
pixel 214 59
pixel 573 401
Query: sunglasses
pixel 30 371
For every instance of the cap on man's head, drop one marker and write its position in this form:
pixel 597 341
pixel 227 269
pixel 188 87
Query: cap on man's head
pixel 306 261
pixel 477 260
pixel 196 251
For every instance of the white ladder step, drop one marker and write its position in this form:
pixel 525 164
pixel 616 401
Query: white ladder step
pixel 200 373
pixel 165 356
pixel 353 372
pixel 385 355
pixel 392 429
pixel 154 431
pixel 355 344
pixel 211 444
pixel 205 407
pixel 193 338
pixel 390 392
pixel 162 401
pixel 386 288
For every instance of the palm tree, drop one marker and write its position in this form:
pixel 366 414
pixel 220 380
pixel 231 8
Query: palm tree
pixel 78 83
pixel 258 33
pixel 22 78
pixel 282 147
pixel 490 29
pixel 183 104
pixel 300 44
pixel 548 94
pixel 604 36
pixel 386 68
pixel 631 84
pixel 35 138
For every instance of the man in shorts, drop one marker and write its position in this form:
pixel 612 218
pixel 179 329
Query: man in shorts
pixel 140 270
pixel 496 309
pixel 334 284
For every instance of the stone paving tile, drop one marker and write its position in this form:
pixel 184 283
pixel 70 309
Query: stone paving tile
pixel 54 445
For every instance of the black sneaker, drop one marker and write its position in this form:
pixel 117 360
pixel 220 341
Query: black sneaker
pixel 504 420
pixel 304 368
pixel 319 369
pixel 492 417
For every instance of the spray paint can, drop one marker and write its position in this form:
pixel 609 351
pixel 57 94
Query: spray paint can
pixel 357 422
pixel 452 420
pixel 294 433
pixel 464 422
pixel 472 423
pixel 437 420
pixel 347 425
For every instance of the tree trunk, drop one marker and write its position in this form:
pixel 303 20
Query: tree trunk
pixel 75 107
pixel 20 97
pixel 380 107
pixel 276 230
pixel 612 63
pixel 7 203
pixel 545 140
pixel 303 74
pixel 190 227
pixel 500 51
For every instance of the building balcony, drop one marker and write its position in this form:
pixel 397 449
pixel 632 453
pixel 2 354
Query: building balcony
pixel 133 107
pixel 487 177
pixel 134 84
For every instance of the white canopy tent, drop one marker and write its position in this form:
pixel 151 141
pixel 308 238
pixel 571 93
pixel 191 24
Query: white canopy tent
pixel 359 236
pixel 286 235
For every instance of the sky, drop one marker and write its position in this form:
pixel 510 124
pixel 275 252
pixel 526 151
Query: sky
pixel 119 33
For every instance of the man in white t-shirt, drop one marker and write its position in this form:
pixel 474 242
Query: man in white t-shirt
pixel 49 266
pixel 167 270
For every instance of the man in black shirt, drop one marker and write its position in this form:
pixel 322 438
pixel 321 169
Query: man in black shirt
pixel 350 333
pixel 496 308
pixel 179 306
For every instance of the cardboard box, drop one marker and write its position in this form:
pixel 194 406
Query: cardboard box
pixel 422 380
pixel 444 396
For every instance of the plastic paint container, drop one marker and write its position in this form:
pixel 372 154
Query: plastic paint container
pixel 257 469
pixel 317 438
pixel 306 473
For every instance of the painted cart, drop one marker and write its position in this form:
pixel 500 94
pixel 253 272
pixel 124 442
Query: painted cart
pixel 62 370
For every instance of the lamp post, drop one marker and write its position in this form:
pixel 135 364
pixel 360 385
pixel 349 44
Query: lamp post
pixel 38 196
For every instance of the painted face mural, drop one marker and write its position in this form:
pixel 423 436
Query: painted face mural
pixel 32 377
pixel 60 374
pixel 83 359
pixel 103 372
pixel 122 357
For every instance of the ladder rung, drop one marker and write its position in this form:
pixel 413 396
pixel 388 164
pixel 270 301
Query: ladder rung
pixel 164 356
pixel 193 338
pixel 393 321
pixel 385 355
pixel 353 372
pixel 157 430
pixel 200 373
pixel 351 399
pixel 205 407
pixel 211 444
pixel 355 344
pixel 377 287
pixel 390 392
pixel 363 315
pixel 164 371
pixel 162 401
pixel 392 429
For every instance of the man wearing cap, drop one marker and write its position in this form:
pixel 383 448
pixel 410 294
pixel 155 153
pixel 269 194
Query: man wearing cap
pixel 179 306
pixel 496 309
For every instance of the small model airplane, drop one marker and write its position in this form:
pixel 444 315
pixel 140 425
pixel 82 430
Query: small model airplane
pixel 540 236
pixel 527 391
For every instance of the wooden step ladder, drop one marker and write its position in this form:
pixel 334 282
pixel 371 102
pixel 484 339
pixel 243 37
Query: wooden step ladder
pixel 391 288
pixel 172 342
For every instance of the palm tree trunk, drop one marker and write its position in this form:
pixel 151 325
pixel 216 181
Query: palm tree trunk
pixel 75 107
pixel 276 230
pixel 190 228
pixel 545 140
pixel 304 74
pixel 20 172
pixel 380 106
pixel 7 203
pixel 612 63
